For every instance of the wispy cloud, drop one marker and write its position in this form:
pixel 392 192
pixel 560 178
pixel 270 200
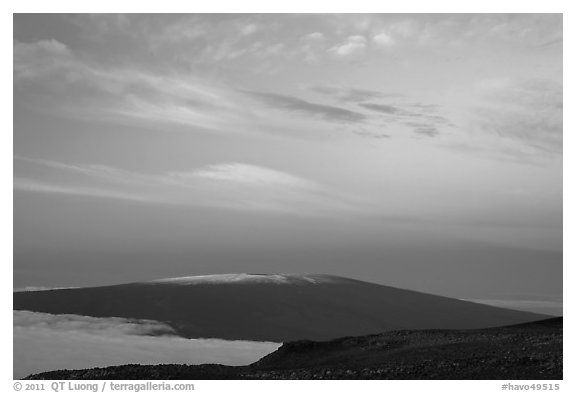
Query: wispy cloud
pixel 350 94
pixel 403 111
pixel 298 105
pixel 57 80
pixel 527 110
pixel 78 87
pixel 231 185
pixel 429 121
pixel 371 134
pixel 40 186
pixel 387 109
pixel 353 47
pixel 427 131
pixel 251 175
pixel 394 108
pixel 177 93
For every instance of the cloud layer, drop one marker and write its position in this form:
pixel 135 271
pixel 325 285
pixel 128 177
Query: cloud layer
pixel 44 342
pixel 549 307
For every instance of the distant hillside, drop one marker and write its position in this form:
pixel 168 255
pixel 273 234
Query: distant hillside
pixel 275 308
pixel 527 351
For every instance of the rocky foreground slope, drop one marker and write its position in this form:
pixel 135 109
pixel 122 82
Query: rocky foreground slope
pixel 525 351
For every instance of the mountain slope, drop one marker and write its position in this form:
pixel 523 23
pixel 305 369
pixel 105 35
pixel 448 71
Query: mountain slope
pixel 279 307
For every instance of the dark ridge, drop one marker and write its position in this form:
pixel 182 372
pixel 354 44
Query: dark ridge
pixel 519 352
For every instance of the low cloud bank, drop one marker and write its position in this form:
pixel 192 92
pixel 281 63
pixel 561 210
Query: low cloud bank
pixel 44 342
pixel 550 307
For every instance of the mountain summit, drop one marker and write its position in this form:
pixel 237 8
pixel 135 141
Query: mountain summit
pixel 245 278
pixel 271 307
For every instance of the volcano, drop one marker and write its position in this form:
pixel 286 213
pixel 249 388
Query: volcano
pixel 272 307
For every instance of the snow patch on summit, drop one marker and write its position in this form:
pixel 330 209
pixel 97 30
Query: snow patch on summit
pixel 245 278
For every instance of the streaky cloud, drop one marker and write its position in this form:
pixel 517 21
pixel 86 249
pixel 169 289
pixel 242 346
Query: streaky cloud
pixel 237 186
pixel 298 105
pixel 350 94
pixel 387 109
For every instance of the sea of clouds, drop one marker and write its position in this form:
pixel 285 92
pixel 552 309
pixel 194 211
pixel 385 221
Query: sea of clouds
pixel 44 342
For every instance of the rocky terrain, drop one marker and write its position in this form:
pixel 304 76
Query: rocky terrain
pixel 525 351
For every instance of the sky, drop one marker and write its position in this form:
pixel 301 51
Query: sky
pixel 421 151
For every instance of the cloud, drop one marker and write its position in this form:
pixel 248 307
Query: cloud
pixel 251 175
pixel 312 47
pixel 475 29
pixel 406 28
pixel 349 94
pixel 50 47
pixel 402 111
pixel 425 107
pixel 529 28
pixel 383 40
pixel 552 42
pixel 386 31
pixel 201 40
pixel 298 105
pixel 40 186
pixel 110 326
pixel 550 307
pixel 232 185
pixel 353 47
pixel 50 76
pixel 387 109
pixel 371 134
pixel 34 60
pixel 423 128
pixel 44 342
pixel 99 26
pixel 427 131
pixel 35 289
pixel 248 29
pixel 429 120
pixel 528 111
pixel 313 37
pixel 379 102
pixel 238 173
pixel 452 30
